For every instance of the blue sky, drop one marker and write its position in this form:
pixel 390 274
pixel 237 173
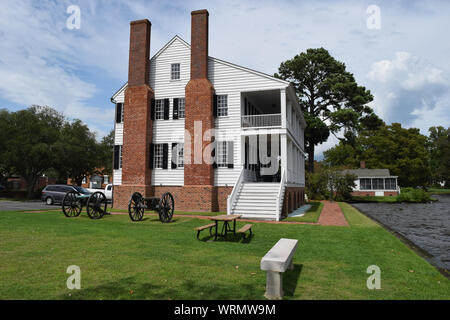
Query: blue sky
pixel 404 63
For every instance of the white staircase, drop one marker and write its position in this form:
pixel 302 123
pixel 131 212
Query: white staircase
pixel 257 200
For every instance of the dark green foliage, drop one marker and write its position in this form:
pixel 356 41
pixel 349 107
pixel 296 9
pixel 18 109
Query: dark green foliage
pixel 342 185
pixel 40 140
pixel 402 151
pixel 439 148
pixel 317 185
pixel 327 92
pixel 324 182
pixel 413 195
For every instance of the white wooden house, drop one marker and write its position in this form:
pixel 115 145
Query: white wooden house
pixel 250 107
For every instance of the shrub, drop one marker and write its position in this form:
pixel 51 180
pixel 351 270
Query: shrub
pixel 413 195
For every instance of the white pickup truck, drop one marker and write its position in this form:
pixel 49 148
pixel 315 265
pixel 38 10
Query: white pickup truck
pixel 107 191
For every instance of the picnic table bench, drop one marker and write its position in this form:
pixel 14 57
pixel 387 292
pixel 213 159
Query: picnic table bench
pixel 227 219
pixel 276 261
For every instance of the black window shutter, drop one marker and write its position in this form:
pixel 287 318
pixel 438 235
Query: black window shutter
pixel 213 154
pixel 166 109
pixel 165 155
pixel 174 155
pixel 116 157
pixel 152 153
pixel 118 112
pixel 230 160
pixel 152 111
pixel 175 108
pixel 215 106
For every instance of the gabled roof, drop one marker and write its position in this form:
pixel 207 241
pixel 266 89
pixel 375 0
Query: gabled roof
pixel 368 172
pixel 176 37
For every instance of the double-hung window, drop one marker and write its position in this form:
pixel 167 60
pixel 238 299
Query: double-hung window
pixel 222 105
pixel 180 155
pixel 221 154
pixel 181 107
pixel 175 71
pixel 159 109
pixel 390 184
pixel 158 156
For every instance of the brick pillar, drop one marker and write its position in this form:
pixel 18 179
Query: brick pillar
pixel 137 124
pixel 199 177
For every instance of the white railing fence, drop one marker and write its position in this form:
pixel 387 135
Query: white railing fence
pixel 280 194
pixel 261 120
pixel 232 197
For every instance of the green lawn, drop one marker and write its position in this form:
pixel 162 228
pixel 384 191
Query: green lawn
pixel 374 199
pixel 120 259
pixel 438 191
pixel 311 215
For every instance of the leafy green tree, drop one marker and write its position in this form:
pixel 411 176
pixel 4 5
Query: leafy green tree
pixel 4 138
pixel 77 152
pixel 31 137
pixel 439 148
pixel 402 151
pixel 341 184
pixel 106 153
pixel 329 96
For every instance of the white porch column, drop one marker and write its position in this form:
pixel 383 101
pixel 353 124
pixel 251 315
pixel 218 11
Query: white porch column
pixel 283 141
pixel 283 108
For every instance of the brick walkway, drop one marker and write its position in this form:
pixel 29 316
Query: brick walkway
pixel 332 215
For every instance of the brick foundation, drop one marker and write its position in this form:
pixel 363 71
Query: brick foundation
pixel 294 198
pixel 192 198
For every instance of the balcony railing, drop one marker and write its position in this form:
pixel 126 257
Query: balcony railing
pixel 261 121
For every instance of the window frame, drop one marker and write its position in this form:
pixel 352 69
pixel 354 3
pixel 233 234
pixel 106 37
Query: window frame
pixel 180 155
pixel 159 109
pixel 175 72
pixel 158 148
pixel 222 105
pixel 181 111
pixel 120 157
pixel 222 154
pixel 365 184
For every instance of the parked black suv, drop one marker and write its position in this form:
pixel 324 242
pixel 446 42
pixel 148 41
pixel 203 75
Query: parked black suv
pixel 54 193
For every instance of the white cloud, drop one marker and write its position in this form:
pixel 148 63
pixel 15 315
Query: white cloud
pixel 411 91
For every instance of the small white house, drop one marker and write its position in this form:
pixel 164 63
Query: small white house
pixel 374 182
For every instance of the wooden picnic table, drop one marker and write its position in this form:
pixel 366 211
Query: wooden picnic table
pixel 226 218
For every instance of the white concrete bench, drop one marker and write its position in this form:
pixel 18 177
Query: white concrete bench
pixel 275 262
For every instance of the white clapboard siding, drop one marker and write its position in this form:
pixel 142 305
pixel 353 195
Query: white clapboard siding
pixel 118 134
pixel 226 78
pixel 117 177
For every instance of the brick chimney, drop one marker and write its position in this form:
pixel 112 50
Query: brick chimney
pixel 362 164
pixel 137 124
pixel 199 94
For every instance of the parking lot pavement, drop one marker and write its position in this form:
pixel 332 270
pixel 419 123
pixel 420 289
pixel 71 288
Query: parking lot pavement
pixel 6 205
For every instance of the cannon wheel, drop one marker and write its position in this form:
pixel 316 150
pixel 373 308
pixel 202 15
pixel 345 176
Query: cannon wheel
pixel 96 205
pixel 166 207
pixel 71 204
pixel 136 207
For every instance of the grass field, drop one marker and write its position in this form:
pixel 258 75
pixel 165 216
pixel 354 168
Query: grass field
pixel 120 259
pixel 438 191
pixel 311 215
pixel 374 199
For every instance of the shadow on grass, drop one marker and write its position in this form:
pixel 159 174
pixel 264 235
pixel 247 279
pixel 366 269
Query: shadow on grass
pixel 230 238
pixel 290 279
pixel 132 288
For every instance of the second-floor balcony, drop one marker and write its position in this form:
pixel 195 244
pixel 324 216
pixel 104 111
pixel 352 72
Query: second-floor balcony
pixel 261 121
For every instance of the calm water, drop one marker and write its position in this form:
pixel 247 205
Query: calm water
pixel 427 225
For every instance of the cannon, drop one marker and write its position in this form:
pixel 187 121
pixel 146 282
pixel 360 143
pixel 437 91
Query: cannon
pixel 73 202
pixel 164 206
